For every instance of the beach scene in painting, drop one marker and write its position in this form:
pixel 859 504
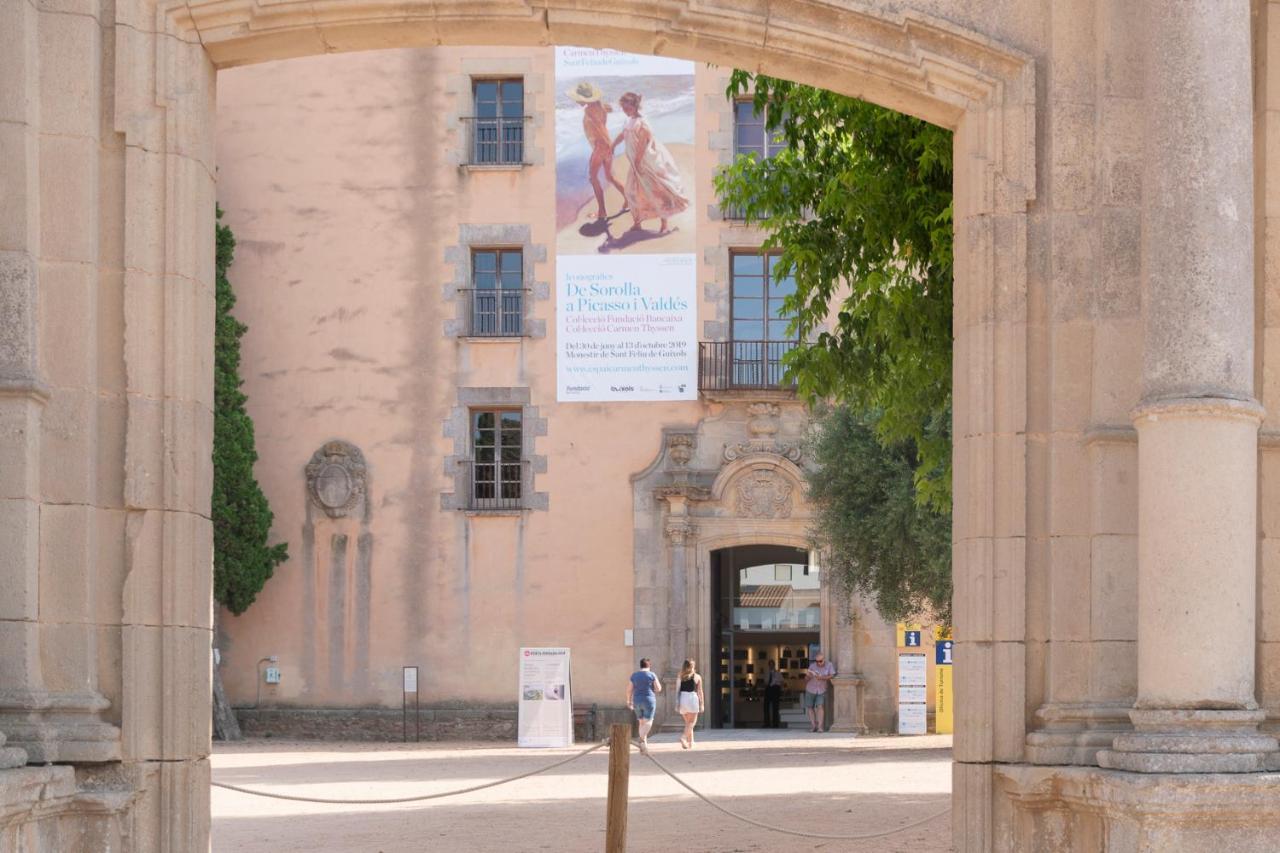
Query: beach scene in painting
pixel 624 153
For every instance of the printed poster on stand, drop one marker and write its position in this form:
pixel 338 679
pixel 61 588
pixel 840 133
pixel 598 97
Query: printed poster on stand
pixel 546 704
pixel 626 262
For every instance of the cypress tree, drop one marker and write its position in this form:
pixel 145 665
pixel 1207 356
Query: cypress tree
pixel 242 559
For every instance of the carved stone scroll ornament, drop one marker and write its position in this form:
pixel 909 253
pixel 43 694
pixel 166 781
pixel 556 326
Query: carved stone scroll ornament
pixel 337 478
pixel 764 494
pixel 790 452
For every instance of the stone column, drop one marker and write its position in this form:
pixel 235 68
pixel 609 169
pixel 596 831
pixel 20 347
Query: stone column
pixel 837 641
pixel 1197 422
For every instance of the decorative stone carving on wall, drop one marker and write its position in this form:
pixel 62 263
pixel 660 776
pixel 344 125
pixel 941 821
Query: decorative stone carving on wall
pixel 763 419
pixel 680 448
pixel 337 478
pixel 681 530
pixel 764 494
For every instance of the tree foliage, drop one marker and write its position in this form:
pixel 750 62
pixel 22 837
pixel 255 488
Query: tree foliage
pixel 859 204
pixel 242 559
pixel 878 540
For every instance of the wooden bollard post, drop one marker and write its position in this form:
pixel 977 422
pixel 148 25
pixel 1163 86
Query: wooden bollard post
pixel 615 825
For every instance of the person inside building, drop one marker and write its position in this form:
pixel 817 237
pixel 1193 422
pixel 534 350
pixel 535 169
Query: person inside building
pixel 642 697
pixel 595 124
pixel 655 189
pixel 816 678
pixel 690 700
pixel 772 697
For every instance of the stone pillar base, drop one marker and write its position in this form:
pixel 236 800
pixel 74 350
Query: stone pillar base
pixel 847 713
pixel 1192 741
pixel 1075 733
pixel 1060 809
pixel 59 728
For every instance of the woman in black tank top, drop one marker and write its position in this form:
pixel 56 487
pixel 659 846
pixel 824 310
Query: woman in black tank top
pixel 689 700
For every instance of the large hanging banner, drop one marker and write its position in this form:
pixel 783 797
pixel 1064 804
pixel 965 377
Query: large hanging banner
pixel 626 271
pixel 546 706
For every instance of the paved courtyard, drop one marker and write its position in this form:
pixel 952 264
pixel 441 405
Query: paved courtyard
pixel 831 784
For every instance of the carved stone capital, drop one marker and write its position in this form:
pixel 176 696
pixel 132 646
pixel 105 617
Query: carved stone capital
pixel 337 478
pixel 681 530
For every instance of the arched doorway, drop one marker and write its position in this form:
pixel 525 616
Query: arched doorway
pixel 767 621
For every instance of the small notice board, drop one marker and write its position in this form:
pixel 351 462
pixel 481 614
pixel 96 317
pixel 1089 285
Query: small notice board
pixel 913 715
pixel 546 706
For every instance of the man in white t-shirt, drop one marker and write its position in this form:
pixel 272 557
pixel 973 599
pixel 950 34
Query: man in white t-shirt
pixel 816 678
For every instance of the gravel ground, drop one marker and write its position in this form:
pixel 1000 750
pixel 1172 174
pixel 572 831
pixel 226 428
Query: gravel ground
pixel 793 780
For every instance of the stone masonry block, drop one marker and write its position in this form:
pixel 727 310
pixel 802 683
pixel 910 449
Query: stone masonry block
pixel 172 812
pixel 975 723
pixel 1114 487
pixel 19 447
pixel 166 710
pixel 1069 588
pixel 112 420
pixel 1113 588
pixel 70 74
pixel 143 567
pixel 1069 483
pixel 20 663
pixel 1113 671
pixel 19 559
pixel 67 656
pixel 68 327
pixel 109 566
pixel 67 552
pixel 1116 370
pixel 1269 590
pixel 18 317
pixel 144 453
pixel 1072 365
pixel 1068 670
pixel 67 433
pixel 18 185
pixel 69 199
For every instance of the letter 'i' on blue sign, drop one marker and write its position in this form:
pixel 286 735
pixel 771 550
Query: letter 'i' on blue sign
pixel 912 638
pixel 942 653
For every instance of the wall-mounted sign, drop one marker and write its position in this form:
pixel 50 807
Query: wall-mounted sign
pixel 913 710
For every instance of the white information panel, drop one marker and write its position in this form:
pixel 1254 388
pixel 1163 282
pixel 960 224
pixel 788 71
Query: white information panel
pixel 913 719
pixel 410 679
pixel 546 707
pixel 912 671
pixel 911 695
pixel 913 710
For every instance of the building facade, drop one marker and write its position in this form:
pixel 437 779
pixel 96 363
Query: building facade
pixel 1114 379
pixel 442 508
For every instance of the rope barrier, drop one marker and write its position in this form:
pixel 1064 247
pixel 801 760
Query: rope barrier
pixel 864 836
pixel 254 793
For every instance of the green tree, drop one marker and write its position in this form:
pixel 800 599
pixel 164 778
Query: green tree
pixel 242 559
pixel 859 203
pixel 877 538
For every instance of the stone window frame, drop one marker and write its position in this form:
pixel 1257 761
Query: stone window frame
pixel 457 426
pixel 459 88
pixel 456 290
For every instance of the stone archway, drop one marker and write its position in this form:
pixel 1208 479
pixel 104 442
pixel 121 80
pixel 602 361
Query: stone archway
pixel 105 396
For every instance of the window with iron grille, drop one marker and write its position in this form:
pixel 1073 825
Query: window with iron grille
pixel 758 329
pixel 497 293
pixel 497 467
pixel 497 128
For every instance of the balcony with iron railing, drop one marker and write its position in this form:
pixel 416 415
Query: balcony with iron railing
pixel 496 486
pixel 495 141
pixel 743 365
pixel 495 313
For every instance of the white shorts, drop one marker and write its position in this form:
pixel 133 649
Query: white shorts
pixel 689 703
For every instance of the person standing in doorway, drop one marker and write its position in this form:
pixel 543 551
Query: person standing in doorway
pixel 772 697
pixel 690 700
pixel 819 673
pixel 642 697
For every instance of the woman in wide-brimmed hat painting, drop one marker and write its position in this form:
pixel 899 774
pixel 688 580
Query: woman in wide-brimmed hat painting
pixel 655 189
pixel 595 124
